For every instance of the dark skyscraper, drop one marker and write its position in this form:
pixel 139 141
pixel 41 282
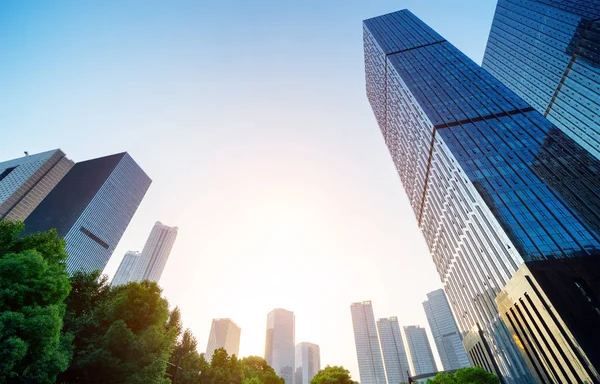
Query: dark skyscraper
pixel 493 184
pixel 548 52
pixel 91 208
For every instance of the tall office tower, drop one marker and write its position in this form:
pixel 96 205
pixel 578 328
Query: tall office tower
pixel 280 343
pixel 224 333
pixel 419 350
pixel 394 353
pixel 155 254
pixel 308 362
pixel 368 349
pixel 547 52
pixel 445 332
pixel 123 274
pixel 26 181
pixel 491 181
pixel 91 207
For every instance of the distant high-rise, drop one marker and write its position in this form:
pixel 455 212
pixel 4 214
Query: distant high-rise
pixel 445 332
pixel 123 274
pixel 224 333
pixel 26 181
pixel 368 349
pixel 91 207
pixel 280 343
pixel 394 352
pixel 419 350
pixel 308 362
pixel 155 254
pixel 547 52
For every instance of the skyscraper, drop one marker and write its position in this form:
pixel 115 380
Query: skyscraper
pixel 308 362
pixel 155 254
pixel 368 349
pixel 224 333
pixel 394 352
pixel 280 343
pixel 91 207
pixel 26 181
pixel 546 51
pixel 445 332
pixel 419 350
pixel 491 181
pixel 123 274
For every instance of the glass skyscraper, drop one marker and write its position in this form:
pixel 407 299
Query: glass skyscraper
pixel 368 349
pixel 123 274
pixel 224 333
pixel 280 345
pixel 91 207
pixel 155 254
pixel 548 53
pixel 445 332
pixel 392 348
pixel 26 181
pixel 491 181
pixel 419 350
pixel 308 362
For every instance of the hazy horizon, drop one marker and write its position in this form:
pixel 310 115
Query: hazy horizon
pixel 252 120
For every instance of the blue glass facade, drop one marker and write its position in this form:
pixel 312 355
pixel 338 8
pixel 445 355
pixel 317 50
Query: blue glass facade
pixel 491 181
pixel 91 208
pixel 548 53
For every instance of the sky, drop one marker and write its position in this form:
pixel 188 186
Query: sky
pixel 252 120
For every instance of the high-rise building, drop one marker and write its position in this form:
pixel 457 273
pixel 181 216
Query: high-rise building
pixel 308 362
pixel 91 207
pixel 123 274
pixel 492 182
pixel 419 350
pixel 26 181
pixel 280 343
pixel 155 254
pixel 445 331
pixel 546 51
pixel 224 333
pixel 394 352
pixel 368 349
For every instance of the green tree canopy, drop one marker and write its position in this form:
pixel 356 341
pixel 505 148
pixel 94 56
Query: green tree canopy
pixel 469 375
pixel 33 286
pixel 333 375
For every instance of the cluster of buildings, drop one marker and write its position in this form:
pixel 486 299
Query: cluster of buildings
pixel 389 354
pixel 90 204
pixel 295 363
pixel 501 165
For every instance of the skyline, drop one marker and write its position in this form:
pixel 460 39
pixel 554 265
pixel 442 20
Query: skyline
pixel 383 197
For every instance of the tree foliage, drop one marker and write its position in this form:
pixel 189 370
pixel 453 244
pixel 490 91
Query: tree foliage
pixel 33 286
pixel 469 375
pixel 123 334
pixel 333 375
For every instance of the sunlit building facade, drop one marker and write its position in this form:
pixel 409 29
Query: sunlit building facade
pixel 548 53
pixel 26 181
pixel 154 256
pixel 224 333
pixel 420 355
pixel 91 207
pixel 123 274
pixel 394 353
pixel 492 182
pixel 280 345
pixel 445 331
pixel 308 362
pixel 368 349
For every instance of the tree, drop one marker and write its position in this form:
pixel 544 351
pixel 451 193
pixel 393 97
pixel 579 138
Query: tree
pixel 468 375
pixel 186 360
pixel 256 368
pixel 123 334
pixel 33 286
pixel 333 375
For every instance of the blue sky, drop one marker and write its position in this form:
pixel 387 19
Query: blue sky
pixel 252 120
